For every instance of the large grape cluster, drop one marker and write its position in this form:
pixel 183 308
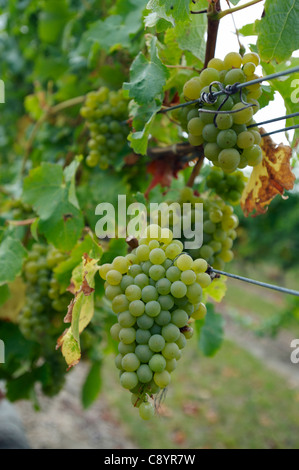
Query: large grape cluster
pixel 228 186
pixel 154 291
pixel 40 318
pixel 105 112
pixel 227 140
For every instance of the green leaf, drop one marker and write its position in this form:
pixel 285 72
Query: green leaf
pixel 248 30
pixel 178 9
pixel 191 36
pixel 288 87
pixel 142 123
pixel 50 191
pixel 12 254
pixel 216 290
pixel 211 332
pixel 278 32
pixel 92 385
pixel 147 77
pixel 4 294
pixel 118 30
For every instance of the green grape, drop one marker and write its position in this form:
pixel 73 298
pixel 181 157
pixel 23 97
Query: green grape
pixel 178 289
pixel 249 68
pixel 179 317
pixel 212 151
pixel 195 140
pixel 192 89
pixel 136 308
pixel 229 159
pixel 130 362
pixel 157 256
pixel 226 139
pixel 234 76
pixel 133 292
pixel 144 373
pixel 251 57
pixel 144 353
pixel 157 363
pixel 146 411
pixel 232 59
pixel 195 126
pixel 129 380
pixel 162 379
pixel 149 293
pixel 245 140
pixel 244 115
pixel 157 271
pixel 224 121
pixel 216 64
pixel 156 343
pixel 210 133
pixel 152 308
pixel 171 332
pixel 253 155
pixel 208 76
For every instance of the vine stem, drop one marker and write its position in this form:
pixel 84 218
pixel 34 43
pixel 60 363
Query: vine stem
pixel 214 11
pixel 222 14
pixel 195 171
pixel 49 112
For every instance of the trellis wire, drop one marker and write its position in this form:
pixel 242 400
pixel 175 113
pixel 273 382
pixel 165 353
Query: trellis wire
pixel 269 121
pixel 257 283
pixel 232 89
pixel 280 130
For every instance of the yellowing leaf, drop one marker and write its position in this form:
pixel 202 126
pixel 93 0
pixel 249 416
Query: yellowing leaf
pixel 80 310
pixel 271 177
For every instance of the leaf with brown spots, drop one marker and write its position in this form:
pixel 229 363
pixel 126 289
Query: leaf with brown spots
pixel 271 177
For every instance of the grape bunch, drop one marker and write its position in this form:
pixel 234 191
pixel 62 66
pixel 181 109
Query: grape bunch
pixel 228 142
pixel 40 319
pixel 105 112
pixel 218 228
pixel 154 291
pixel 228 186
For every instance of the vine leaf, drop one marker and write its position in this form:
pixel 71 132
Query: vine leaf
pixel 211 331
pixel 271 177
pixel 178 10
pixel 80 310
pixel 147 77
pixel 278 34
pixel 51 192
pixel 163 171
pixel 12 254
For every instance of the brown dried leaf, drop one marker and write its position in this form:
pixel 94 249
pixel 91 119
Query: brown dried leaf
pixel 271 177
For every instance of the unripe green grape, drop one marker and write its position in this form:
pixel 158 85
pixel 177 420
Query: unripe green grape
pixel 157 271
pixel 203 279
pixel 229 159
pixel 253 155
pixel 232 59
pixel 170 351
pixel 244 115
pixel 146 411
pixel 130 362
pixel 163 286
pixel 126 320
pixel 245 140
pixel 156 343
pixel 171 365
pixel 142 336
pixel 144 353
pixel 162 379
pixel 142 252
pixel 234 76
pixel 179 318
pixel 192 88
pixel 157 256
pixel 157 363
pixel 114 331
pixel 249 68
pixel 136 308
pixel 127 335
pixel 149 293
pixel 195 126
pixel 208 76
pixel 173 273
pixel 141 280
pixel 184 262
pixel 200 312
pixel 145 322
pixel 113 277
pixel 121 264
pixel 129 380
pixel 217 64
pixel 120 303
pixel 144 373
pixel 211 151
pixel 210 133
pixel 224 121
pixel 195 140
pixel 166 302
pixel 256 136
pixel 133 292
pixel 163 318
pixel 251 57
pixel 152 308
pixel 178 289
pixel 126 348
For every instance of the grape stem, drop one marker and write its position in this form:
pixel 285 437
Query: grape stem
pixel 222 14
pixel 213 25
